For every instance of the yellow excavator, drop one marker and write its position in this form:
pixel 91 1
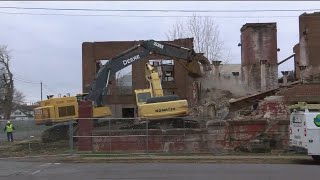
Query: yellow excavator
pixel 151 103
pixel 148 100
pixel 55 110
pixel 63 109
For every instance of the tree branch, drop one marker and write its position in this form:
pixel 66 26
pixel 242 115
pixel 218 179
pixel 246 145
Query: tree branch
pixel 7 79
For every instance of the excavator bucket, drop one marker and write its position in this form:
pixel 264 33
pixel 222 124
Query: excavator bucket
pixel 195 69
pixel 198 66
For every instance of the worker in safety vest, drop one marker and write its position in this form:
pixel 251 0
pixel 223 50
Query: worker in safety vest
pixel 9 130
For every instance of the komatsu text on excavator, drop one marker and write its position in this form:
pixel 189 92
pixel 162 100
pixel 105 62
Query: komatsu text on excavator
pixel 151 103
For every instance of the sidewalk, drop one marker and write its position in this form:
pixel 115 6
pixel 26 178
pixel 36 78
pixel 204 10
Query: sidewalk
pixel 153 158
pixel 196 159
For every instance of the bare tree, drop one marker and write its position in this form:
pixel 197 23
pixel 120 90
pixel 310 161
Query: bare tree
pixel 18 98
pixel 206 36
pixel 6 78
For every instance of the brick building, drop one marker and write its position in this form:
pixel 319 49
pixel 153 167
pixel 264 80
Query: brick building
pixel 307 50
pixel 307 62
pixel 176 80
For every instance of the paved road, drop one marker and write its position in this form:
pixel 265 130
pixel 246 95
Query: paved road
pixel 64 171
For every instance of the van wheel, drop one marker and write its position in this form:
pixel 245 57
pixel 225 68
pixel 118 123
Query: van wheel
pixel 316 157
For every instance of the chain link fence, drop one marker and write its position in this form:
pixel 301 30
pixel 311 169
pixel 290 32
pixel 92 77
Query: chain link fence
pixel 135 136
pixel 24 129
pixel 180 136
pixel 27 140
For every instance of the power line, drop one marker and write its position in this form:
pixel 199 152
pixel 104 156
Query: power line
pixel 26 81
pixel 33 82
pixel 47 87
pixel 154 10
pixel 29 82
pixel 22 77
pixel 144 16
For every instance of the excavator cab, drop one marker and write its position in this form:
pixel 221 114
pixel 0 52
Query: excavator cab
pixel 142 95
pixel 156 108
pixel 152 104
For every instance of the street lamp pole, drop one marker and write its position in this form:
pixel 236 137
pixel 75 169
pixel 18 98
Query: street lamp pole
pixel 41 89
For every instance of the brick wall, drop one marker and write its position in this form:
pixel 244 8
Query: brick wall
pixel 309 93
pixel 273 108
pixel 95 51
pixel 219 137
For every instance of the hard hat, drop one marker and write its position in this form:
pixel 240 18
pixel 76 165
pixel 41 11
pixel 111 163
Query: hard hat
pixel 8 122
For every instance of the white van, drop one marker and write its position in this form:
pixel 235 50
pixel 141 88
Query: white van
pixel 304 132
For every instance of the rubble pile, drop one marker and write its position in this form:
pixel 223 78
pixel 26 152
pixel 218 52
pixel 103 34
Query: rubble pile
pixel 217 98
pixel 214 104
pixel 272 107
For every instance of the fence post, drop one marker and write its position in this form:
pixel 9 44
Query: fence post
pixel 147 136
pixel 29 147
pixel 109 135
pixel 184 127
pixel 184 132
pixel 29 136
pixel 29 128
pixel 71 137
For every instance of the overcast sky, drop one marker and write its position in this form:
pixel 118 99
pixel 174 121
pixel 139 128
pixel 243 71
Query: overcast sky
pixel 48 48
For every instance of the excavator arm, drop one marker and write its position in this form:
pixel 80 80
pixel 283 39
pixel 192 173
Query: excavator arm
pixel 134 54
pixel 152 75
pixel 101 80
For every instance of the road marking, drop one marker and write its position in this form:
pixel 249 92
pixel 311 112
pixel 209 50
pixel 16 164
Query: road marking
pixel 46 164
pixel 35 172
pixel 57 163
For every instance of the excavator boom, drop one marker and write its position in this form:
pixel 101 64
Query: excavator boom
pixel 136 53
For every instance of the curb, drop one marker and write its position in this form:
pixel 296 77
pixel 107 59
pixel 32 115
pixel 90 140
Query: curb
pixel 67 158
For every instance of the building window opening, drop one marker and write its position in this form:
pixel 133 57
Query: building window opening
pixel 124 81
pixel 128 112
pixel 167 92
pixel 165 69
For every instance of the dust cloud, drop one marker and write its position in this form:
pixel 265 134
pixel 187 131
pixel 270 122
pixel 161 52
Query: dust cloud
pixel 219 87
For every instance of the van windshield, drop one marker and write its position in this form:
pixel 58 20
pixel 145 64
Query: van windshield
pixel 296 119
